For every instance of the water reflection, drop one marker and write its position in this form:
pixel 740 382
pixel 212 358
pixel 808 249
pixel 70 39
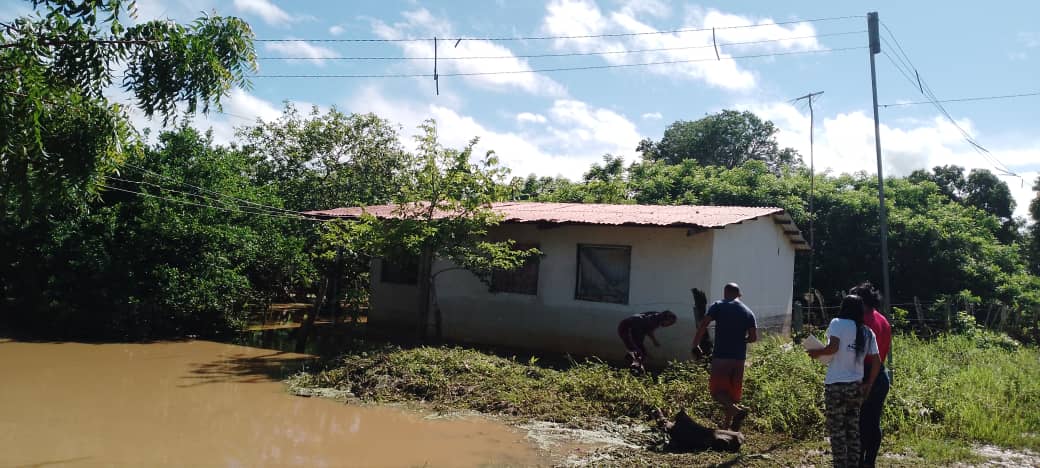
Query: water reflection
pixel 208 404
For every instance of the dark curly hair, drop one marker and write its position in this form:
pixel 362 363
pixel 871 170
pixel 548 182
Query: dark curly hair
pixel 870 294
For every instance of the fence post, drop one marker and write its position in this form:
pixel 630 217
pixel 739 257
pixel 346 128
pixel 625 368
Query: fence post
pixel 949 325
pixel 796 319
pixel 920 315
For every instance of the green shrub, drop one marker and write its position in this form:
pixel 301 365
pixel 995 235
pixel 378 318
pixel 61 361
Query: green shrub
pixel 972 388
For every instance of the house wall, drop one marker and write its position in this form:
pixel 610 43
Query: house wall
pixel 665 264
pixel 757 256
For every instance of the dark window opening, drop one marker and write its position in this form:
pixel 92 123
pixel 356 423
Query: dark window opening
pixel 400 270
pixel 603 273
pixel 523 280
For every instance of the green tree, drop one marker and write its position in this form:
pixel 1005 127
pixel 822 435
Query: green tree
pixel 60 136
pixel 443 212
pixel 981 189
pixel 1033 242
pixel 727 139
pixel 157 254
pixel 326 160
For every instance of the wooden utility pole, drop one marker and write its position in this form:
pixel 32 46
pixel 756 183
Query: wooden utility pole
pixel 812 190
pixel 875 48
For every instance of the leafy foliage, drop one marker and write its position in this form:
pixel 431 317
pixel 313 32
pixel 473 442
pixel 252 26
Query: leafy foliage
pixel 60 138
pixel 728 139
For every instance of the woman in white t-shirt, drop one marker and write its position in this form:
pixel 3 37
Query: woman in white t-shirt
pixel 850 343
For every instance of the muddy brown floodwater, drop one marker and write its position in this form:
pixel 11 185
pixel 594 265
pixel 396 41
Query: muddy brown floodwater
pixel 198 403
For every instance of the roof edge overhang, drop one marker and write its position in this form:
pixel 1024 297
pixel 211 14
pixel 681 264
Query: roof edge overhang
pixel 794 235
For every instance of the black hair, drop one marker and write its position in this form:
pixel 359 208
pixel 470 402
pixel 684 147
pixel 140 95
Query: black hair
pixel 666 315
pixel 869 293
pixel 852 309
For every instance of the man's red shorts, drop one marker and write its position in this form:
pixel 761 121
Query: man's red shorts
pixel 727 375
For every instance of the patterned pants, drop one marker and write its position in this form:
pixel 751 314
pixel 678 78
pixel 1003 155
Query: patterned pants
pixel 843 405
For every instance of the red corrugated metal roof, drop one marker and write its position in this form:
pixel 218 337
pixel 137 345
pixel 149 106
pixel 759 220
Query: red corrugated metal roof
pixel 590 213
pixel 610 215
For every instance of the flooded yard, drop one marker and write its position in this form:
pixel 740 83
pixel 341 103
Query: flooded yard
pixel 201 403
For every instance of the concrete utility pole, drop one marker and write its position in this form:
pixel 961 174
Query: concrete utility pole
pixel 875 48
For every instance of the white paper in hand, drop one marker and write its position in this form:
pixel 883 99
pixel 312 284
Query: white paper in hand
pixel 811 343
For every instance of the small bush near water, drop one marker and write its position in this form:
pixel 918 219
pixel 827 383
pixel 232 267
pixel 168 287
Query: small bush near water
pixel 971 388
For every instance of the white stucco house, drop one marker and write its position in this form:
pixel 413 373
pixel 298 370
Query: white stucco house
pixel 600 264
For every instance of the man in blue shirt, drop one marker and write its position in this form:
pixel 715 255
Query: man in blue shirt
pixel 735 327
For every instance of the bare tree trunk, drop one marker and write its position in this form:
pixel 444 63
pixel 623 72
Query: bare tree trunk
pixel 304 331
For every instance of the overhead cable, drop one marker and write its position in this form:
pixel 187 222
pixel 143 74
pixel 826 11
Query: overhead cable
pixel 216 193
pixel 578 36
pixel 906 67
pixel 568 54
pixel 203 205
pixel 964 99
pixel 558 69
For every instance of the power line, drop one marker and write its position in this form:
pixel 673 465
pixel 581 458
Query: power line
pixel 544 70
pixel 579 36
pixel 218 194
pixel 925 90
pixel 203 197
pixel 965 99
pixel 567 54
pixel 201 205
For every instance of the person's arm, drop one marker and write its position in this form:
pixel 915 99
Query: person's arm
pixel 752 335
pixel 653 338
pixel 702 328
pixel 875 368
pixel 833 343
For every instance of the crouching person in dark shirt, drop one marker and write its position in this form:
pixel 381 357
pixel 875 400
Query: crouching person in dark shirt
pixel 633 330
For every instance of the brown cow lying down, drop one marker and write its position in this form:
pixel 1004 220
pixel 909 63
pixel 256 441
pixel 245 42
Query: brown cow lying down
pixel 685 435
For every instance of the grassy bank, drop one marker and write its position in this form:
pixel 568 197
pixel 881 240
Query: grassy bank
pixel 956 389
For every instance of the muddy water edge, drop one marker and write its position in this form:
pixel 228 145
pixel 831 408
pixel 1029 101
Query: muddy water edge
pixel 200 403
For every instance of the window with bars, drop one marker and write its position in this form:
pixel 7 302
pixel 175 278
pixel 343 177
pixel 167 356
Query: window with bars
pixel 603 273
pixel 523 280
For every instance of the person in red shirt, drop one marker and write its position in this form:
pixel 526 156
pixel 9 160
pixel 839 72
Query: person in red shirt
pixel 870 413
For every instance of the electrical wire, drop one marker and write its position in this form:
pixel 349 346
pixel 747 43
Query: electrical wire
pixel 579 36
pixel 202 205
pixel 905 67
pixel 203 197
pixel 558 69
pixel 213 192
pixel 966 99
pixel 568 54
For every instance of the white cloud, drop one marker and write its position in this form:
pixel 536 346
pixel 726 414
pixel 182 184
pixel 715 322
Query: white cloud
pixel 301 49
pixel 692 52
pixel 1029 39
pixel 844 143
pixel 531 118
pixel 652 116
pixel 421 23
pixel 574 135
pixel 654 8
pixel 269 12
pixel 580 127
pixel 337 30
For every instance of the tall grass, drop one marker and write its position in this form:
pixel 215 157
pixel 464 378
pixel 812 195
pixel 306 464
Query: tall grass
pixel 970 387
pixel 975 388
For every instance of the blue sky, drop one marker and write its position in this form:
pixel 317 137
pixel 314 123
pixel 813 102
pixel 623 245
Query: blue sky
pixel 557 123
